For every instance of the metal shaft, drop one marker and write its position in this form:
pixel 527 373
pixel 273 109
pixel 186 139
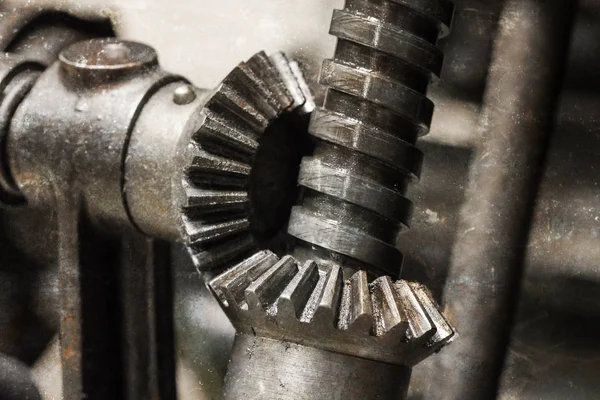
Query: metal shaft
pixel 481 290
pixel 354 184
pixel 262 368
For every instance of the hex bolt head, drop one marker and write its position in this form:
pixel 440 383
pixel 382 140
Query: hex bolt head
pixel 184 94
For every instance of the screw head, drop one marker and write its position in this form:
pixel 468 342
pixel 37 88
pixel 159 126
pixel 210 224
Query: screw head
pixel 184 94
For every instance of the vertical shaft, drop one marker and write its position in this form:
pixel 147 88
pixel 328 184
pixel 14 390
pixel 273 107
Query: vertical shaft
pixel 263 368
pixel 354 202
pixel 517 120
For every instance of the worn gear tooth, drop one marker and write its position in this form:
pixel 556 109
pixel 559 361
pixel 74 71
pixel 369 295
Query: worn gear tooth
pixel 200 233
pixel 262 66
pixel 221 153
pixel 420 324
pixel 219 254
pixel 356 314
pixel 229 287
pixel 445 333
pixel 389 315
pixel 309 103
pixel 230 97
pixel 201 202
pixel 225 116
pixel 210 171
pixel 226 139
pixel 323 308
pixel 260 85
pixel 295 296
pixel 264 291
pixel 254 90
pixel 282 65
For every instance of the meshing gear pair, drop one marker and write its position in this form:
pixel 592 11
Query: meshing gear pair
pixel 322 292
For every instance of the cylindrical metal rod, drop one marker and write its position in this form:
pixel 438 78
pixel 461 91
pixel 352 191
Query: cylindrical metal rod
pixel 517 120
pixel 264 368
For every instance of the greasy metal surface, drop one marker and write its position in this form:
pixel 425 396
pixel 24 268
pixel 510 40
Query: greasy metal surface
pixel 354 201
pixel 262 368
pixel 17 76
pixel 85 128
pixel 115 292
pixel 386 321
pixel 156 157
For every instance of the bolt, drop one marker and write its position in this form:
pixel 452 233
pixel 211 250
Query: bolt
pixel 184 94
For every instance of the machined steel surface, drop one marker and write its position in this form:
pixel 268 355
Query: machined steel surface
pixel 263 368
pixel 354 202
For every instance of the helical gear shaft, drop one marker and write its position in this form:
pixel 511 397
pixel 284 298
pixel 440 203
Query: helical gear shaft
pixel 354 202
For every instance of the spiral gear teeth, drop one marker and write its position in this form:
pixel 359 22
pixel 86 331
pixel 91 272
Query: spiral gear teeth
pixel 378 90
pixel 376 34
pixel 337 182
pixel 352 134
pixel 439 10
pixel 310 304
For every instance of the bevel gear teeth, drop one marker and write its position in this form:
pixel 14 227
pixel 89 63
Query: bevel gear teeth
pixel 396 322
pixel 216 210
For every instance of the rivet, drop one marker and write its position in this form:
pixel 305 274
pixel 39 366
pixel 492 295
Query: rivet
pixel 184 94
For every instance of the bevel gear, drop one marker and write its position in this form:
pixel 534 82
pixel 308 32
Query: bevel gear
pixel 219 211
